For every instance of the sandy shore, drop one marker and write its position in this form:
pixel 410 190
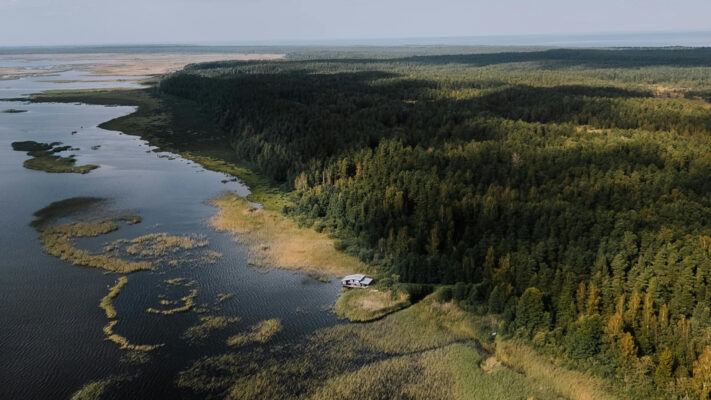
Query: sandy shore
pixel 121 64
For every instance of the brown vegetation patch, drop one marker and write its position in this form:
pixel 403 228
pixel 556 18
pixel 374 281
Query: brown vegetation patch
pixel 123 342
pixel 258 333
pixel 207 324
pixel 275 240
pixel 188 303
pixel 106 302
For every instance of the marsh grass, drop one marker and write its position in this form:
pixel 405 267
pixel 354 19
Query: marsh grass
pixel 57 241
pixel 188 304
pixel 97 389
pixel 262 191
pixel 164 248
pixel 275 240
pixel 261 332
pixel 44 158
pixel 135 357
pixel 426 351
pixel 106 302
pixel 207 325
pixel 65 208
pixel 222 297
pixel 123 342
pixel 160 244
pixel 361 305
pixel 570 383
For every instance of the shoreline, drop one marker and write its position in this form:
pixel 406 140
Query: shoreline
pixel 151 114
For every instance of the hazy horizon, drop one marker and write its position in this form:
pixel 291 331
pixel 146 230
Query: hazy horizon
pixel 81 22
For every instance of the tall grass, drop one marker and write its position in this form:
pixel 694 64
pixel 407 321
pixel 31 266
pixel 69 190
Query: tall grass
pixel 188 304
pixel 427 351
pixel 123 342
pixel 261 332
pixel 361 305
pixel 275 240
pixel 106 302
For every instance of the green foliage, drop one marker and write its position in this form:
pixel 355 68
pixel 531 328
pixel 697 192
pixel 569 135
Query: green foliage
pixel 583 173
pixel 530 311
pixel 584 337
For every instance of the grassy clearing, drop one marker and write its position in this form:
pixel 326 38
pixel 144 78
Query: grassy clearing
pixel 188 304
pixel 261 332
pixel 106 302
pixel 207 325
pixel 275 240
pixel 97 389
pixel 44 158
pixel 123 342
pixel 361 305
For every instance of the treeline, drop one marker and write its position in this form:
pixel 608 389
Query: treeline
pixel 574 202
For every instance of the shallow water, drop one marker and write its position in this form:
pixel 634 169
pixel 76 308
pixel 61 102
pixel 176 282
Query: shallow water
pixel 51 339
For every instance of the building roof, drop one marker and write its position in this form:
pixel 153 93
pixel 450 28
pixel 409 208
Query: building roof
pixel 354 277
pixel 366 281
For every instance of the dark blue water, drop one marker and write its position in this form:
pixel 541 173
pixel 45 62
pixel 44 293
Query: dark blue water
pixel 51 339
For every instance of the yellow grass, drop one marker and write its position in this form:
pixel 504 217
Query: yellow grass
pixel 275 240
pixel 106 302
pixel 572 384
pixel 360 305
pixel 127 64
pixel 207 324
pixel 188 303
pixel 159 244
pixel 123 343
pixel 57 241
pixel 261 332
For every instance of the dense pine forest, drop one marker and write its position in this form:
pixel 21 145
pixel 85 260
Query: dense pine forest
pixel 568 191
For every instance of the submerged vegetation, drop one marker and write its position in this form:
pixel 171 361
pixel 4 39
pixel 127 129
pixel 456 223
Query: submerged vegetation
pixel 206 326
pixel 97 389
pixel 261 332
pixel 45 158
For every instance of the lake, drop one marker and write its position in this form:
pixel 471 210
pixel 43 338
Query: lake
pixel 51 338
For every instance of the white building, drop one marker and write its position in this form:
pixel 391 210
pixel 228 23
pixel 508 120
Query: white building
pixel 356 280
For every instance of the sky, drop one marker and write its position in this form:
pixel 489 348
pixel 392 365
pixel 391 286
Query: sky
pixel 81 22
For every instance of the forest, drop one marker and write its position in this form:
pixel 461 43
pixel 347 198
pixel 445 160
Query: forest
pixel 567 191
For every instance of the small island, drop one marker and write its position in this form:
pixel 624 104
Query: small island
pixel 44 158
